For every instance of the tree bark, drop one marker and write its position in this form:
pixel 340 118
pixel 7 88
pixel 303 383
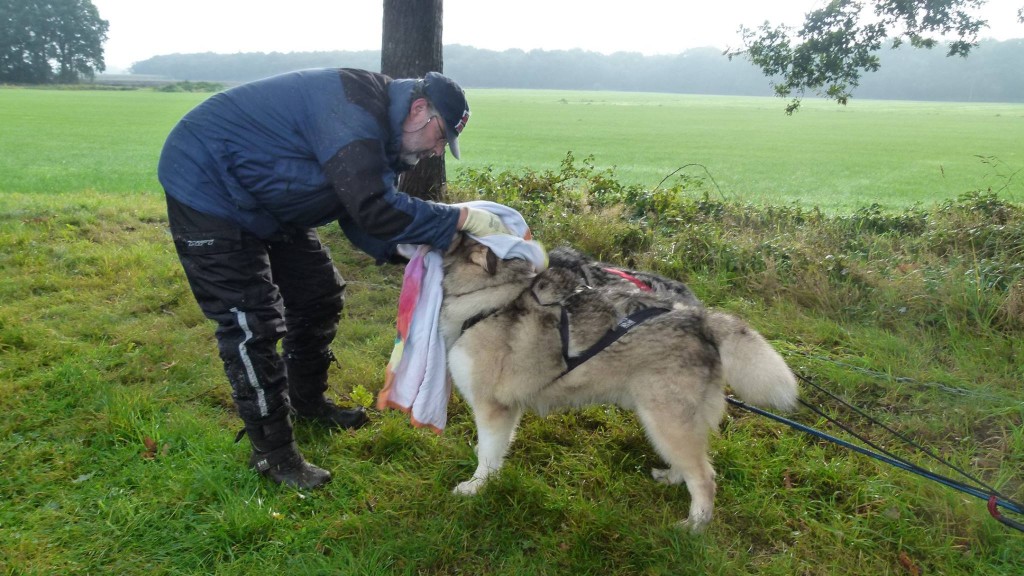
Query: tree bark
pixel 411 47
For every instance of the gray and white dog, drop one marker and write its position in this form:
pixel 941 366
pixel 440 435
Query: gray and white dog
pixel 515 339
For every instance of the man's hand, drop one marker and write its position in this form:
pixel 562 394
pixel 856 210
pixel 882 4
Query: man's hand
pixel 482 223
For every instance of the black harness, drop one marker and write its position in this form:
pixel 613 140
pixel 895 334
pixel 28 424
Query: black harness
pixel 473 320
pixel 620 330
pixel 572 362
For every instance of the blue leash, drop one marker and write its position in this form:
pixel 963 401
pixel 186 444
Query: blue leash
pixel 989 494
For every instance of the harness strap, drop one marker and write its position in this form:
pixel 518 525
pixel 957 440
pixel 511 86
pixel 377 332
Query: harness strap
pixel 625 325
pixel 620 330
pixel 473 320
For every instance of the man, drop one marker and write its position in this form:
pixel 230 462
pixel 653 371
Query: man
pixel 248 175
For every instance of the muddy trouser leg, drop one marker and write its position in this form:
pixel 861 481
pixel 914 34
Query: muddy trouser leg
pixel 229 273
pixel 314 295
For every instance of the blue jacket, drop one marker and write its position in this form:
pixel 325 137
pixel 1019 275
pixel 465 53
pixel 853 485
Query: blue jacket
pixel 302 149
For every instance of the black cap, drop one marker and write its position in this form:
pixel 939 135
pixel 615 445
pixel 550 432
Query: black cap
pixel 449 99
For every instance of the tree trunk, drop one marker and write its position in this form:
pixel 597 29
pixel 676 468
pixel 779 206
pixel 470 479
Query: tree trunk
pixel 411 47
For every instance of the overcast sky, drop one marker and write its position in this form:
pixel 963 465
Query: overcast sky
pixel 140 29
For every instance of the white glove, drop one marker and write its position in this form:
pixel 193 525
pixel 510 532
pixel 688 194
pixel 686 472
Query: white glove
pixel 483 223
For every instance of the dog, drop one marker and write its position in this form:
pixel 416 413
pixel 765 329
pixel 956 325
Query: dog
pixel 514 340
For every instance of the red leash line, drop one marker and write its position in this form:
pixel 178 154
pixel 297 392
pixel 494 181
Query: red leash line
pixel 993 509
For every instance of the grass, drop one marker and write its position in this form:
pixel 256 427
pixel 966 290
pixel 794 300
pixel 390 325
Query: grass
pixel 839 158
pixel 117 441
pixel 891 153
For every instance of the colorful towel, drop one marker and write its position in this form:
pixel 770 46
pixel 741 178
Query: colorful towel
pixel 416 378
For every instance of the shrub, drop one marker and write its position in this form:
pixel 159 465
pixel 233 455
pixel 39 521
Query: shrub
pixel 188 86
pixel 960 263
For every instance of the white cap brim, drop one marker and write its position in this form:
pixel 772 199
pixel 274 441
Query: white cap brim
pixel 453 146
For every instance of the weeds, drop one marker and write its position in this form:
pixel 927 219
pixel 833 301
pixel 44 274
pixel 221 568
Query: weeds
pixel 959 263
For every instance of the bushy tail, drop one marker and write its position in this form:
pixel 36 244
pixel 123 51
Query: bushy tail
pixel 751 367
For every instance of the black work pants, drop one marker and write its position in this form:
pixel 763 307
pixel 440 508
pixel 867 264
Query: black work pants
pixel 260 292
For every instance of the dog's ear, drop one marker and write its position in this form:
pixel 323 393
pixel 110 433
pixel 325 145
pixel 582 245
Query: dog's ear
pixel 553 286
pixel 543 291
pixel 492 263
pixel 484 258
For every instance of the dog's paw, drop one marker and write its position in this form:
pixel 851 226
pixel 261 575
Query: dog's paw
pixel 469 487
pixel 695 524
pixel 660 475
pixel 664 476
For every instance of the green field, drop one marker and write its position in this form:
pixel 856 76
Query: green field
pixel 892 153
pixel 117 427
pixel 839 158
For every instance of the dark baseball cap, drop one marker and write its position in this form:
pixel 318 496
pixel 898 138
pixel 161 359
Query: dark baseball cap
pixel 450 100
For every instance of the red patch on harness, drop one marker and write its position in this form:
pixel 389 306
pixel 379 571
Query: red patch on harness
pixel 639 283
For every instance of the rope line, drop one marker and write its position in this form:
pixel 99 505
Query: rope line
pixel 907 380
pixel 895 433
pixel 980 490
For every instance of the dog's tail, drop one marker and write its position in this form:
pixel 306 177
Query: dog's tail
pixel 751 367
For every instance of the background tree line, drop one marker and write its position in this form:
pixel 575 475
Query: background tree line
pixel 58 41
pixel 836 52
pixel 990 74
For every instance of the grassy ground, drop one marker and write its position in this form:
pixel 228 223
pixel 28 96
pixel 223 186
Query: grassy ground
pixel 117 442
pixel 119 455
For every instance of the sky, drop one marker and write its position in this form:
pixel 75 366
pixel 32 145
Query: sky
pixel 140 29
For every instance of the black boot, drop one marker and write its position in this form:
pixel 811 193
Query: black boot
pixel 307 382
pixel 276 456
pixel 330 415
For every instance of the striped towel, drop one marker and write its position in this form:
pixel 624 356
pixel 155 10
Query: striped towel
pixel 416 378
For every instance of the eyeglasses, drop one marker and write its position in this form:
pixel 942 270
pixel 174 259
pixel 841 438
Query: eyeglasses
pixel 440 127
